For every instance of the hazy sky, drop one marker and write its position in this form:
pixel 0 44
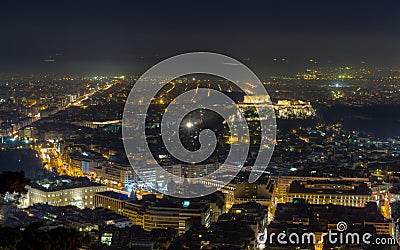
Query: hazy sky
pixel 128 36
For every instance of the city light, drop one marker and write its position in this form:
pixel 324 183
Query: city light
pixel 189 125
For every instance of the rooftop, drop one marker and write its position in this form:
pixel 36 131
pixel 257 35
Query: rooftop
pixel 61 183
pixel 330 187
pixel 115 195
pixel 86 155
pixel 291 212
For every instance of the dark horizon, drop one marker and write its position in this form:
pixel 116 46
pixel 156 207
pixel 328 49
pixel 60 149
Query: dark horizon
pixel 128 37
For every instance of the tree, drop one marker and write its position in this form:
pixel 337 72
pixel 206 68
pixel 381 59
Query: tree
pixel 13 182
pixel 33 237
pixel 10 237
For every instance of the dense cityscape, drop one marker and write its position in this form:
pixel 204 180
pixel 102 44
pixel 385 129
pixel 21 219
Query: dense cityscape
pixel 82 180
pixel 295 105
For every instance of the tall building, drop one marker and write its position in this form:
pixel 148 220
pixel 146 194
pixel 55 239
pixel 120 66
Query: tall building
pixel 64 191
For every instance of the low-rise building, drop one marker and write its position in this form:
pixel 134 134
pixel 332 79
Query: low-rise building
pixel 83 163
pixel 251 192
pixel 166 213
pixel 346 193
pixel 64 191
pixel 193 170
pixel 318 220
pixel 111 200
pixel 114 173
pixel 283 183
pixel 154 213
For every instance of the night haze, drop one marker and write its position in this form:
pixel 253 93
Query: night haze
pixel 129 36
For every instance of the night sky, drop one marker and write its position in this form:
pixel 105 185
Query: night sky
pixel 129 36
